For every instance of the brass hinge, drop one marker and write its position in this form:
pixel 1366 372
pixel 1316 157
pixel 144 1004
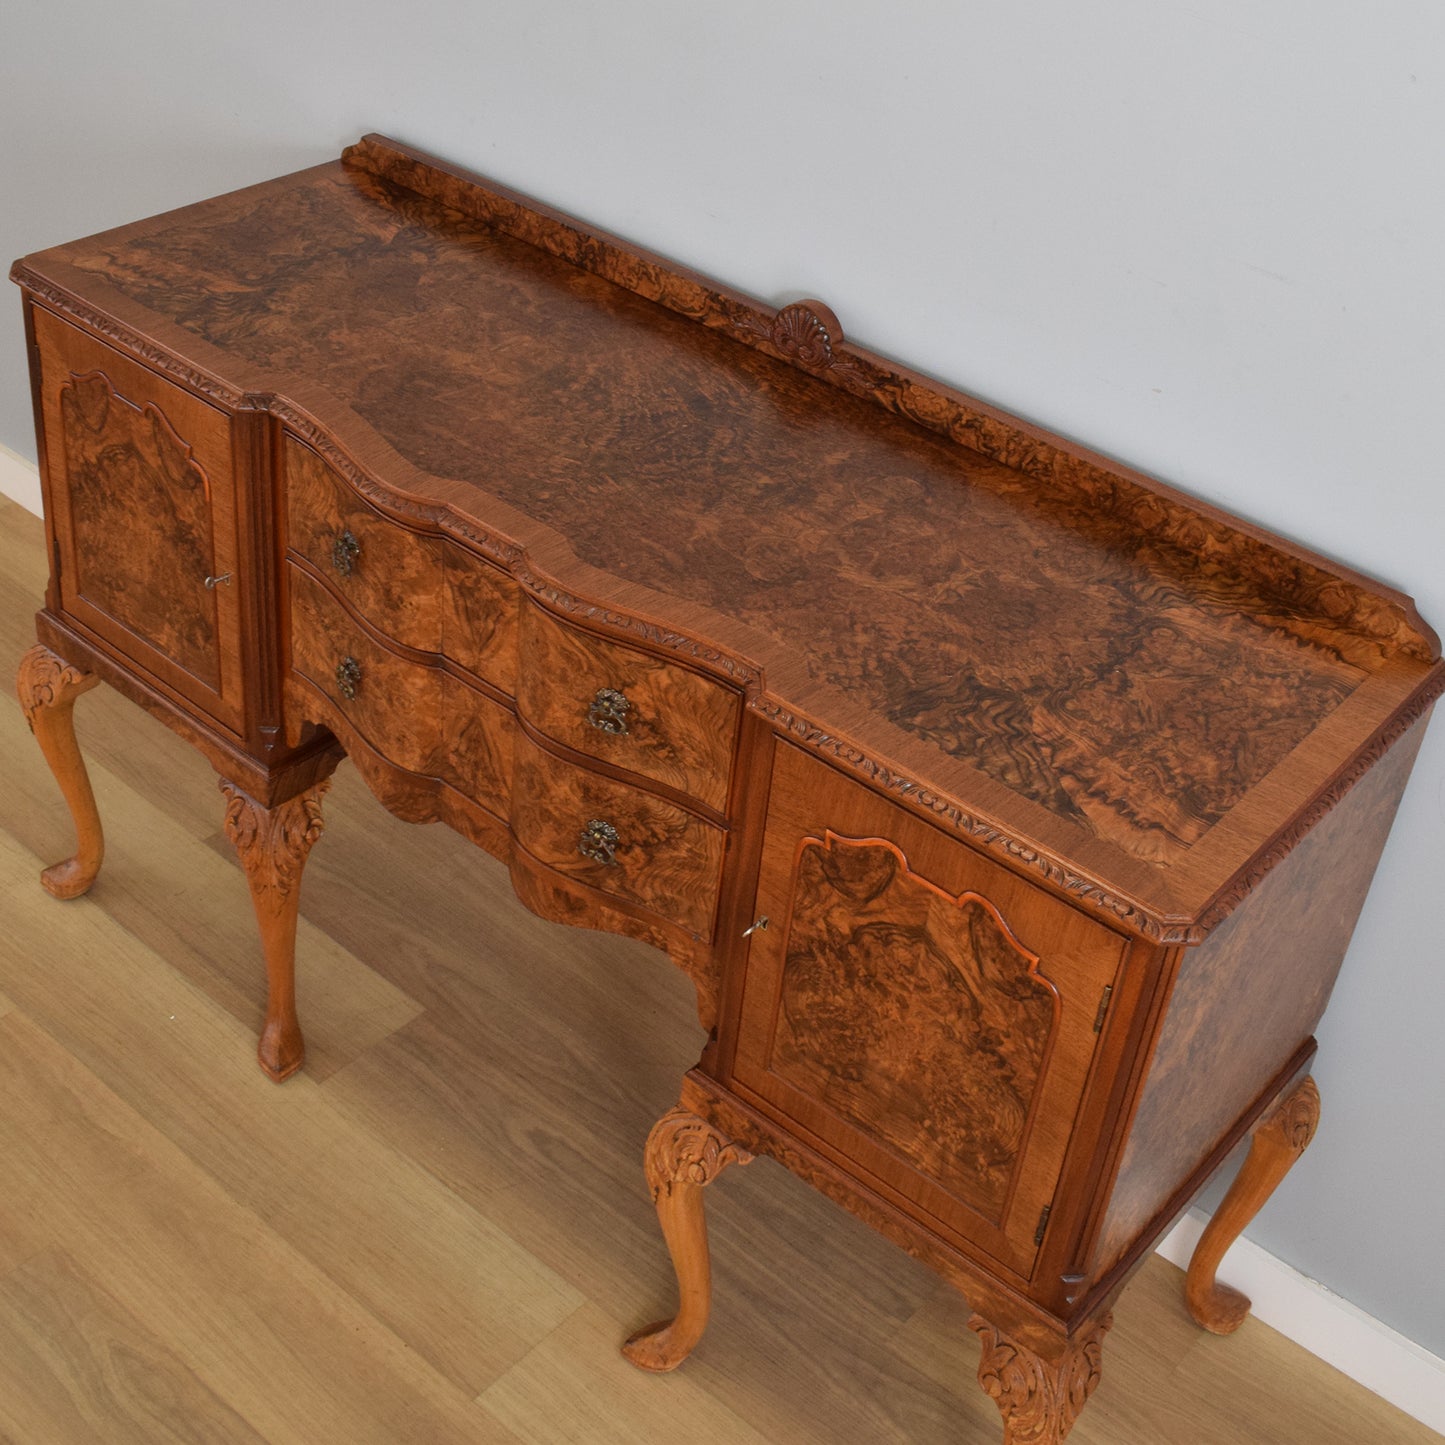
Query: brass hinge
pixel 1043 1224
pixel 1103 1007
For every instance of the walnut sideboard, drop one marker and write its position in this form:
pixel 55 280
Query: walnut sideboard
pixel 1009 810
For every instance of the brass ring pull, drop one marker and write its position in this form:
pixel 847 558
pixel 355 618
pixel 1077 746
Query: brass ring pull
pixel 599 842
pixel 344 552
pixel 609 709
pixel 348 677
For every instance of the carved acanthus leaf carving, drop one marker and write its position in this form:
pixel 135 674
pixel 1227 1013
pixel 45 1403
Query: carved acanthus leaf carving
pixel 1039 1399
pixel 45 679
pixel 273 843
pixel 684 1149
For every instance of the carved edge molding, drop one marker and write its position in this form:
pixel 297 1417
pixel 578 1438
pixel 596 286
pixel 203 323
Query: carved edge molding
pixel 806 334
pixel 273 843
pixel 685 1149
pixel 123 337
pixel 1039 1399
pixel 45 679
pixel 995 839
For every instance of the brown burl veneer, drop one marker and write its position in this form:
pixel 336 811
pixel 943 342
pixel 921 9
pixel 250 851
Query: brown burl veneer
pixel 1009 810
pixel 629 708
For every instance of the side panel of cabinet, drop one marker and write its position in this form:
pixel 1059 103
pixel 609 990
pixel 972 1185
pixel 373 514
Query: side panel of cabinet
pixel 925 1015
pixel 142 495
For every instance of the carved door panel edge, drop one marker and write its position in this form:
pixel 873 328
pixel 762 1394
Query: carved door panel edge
pixel 143 503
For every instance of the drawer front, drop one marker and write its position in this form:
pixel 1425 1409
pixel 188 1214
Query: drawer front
pixel 391 576
pixel 394 703
pixel 619 839
pixel 925 1014
pixel 627 707
pixel 142 496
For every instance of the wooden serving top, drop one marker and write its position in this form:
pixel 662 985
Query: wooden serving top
pixel 1124 689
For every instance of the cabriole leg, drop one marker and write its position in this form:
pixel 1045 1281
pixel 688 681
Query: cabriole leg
pixel 273 844
pixel 48 687
pixel 1039 1397
pixel 684 1155
pixel 1279 1139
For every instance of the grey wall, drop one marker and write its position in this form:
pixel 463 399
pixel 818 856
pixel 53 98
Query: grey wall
pixel 1205 239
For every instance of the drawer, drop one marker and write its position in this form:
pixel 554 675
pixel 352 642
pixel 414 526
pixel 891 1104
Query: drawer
pixel 619 839
pixel 628 707
pixel 394 703
pixel 392 576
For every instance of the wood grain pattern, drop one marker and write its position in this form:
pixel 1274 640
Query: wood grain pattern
pixel 144 513
pixel 395 702
pixel 915 1015
pixel 1022 609
pixel 807 334
pixel 393 577
pixel 1273 963
pixel 667 860
pixel 970 1129
pixel 679 727
pixel 407 1222
pixel 475 747
pixel 480 606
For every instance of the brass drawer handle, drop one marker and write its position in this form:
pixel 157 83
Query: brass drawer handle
pixel 344 552
pixel 608 713
pixel 348 677
pixel 599 842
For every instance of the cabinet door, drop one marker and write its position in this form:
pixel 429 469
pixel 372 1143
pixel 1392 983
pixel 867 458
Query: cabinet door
pixel 140 491
pixel 926 1016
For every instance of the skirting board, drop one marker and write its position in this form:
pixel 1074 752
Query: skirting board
pixel 19 480
pixel 1385 1362
pixel 1328 1326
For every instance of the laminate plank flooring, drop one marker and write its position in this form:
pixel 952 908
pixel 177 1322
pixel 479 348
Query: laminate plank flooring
pixel 439 1233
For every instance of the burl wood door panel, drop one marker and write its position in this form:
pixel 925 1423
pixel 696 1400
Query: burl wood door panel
pixel 628 707
pixel 142 496
pixel 926 1015
pixel 625 841
pixel 390 575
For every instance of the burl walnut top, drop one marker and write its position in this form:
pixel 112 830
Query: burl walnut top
pixel 1077 665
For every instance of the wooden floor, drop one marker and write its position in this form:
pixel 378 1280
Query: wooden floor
pixel 439 1233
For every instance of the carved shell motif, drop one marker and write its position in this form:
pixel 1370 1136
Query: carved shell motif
pixel 804 332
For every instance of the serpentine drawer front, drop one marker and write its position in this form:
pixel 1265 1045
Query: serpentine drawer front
pixel 986 791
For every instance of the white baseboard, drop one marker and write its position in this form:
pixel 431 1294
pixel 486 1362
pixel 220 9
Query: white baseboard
pixel 1328 1326
pixel 19 479
pixel 1385 1362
